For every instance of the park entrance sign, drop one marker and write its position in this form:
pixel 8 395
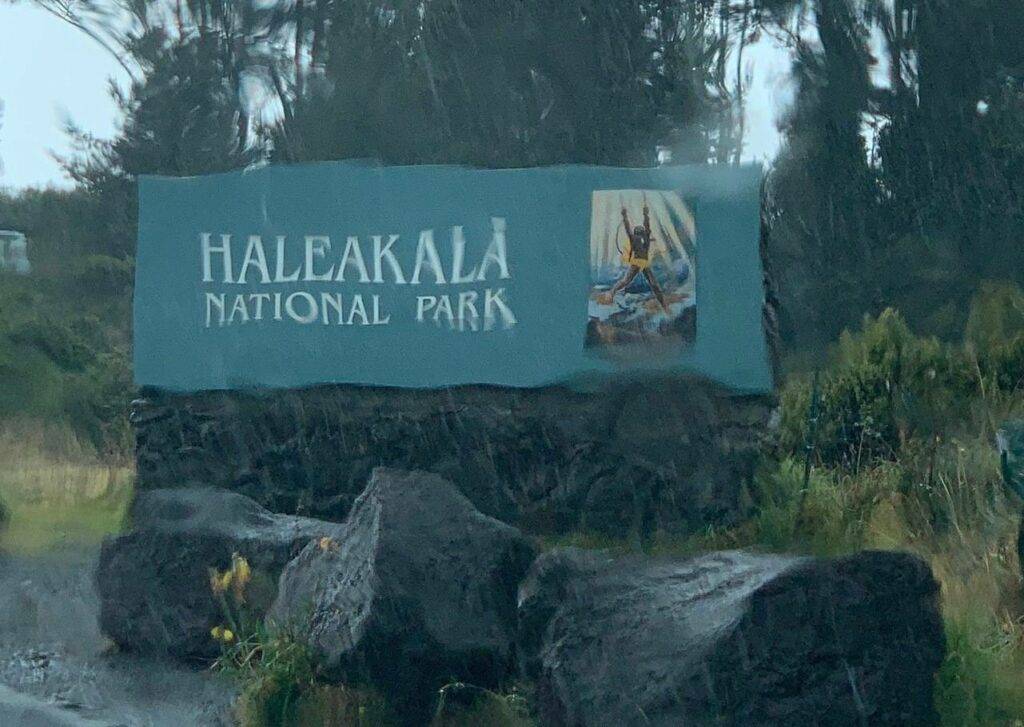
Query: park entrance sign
pixel 438 276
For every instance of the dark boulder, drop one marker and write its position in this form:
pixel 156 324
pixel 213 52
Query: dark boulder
pixel 731 639
pixel 418 590
pixel 153 581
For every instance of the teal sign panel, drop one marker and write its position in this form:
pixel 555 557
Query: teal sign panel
pixel 432 276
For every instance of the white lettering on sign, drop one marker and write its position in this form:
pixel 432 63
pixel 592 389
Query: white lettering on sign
pixel 234 260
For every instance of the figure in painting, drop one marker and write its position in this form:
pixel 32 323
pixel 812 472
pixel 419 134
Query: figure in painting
pixel 637 258
pixel 642 284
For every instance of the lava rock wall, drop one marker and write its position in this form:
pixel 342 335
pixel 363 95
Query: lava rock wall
pixel 673 454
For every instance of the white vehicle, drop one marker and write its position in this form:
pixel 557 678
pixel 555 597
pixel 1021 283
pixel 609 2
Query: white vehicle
pixel 14 252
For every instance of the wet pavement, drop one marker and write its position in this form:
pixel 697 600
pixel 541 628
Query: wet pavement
pixel 51 651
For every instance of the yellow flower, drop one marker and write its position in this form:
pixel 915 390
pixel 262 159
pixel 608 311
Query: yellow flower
pixel 222 634
pixel 219 582
pixel 241 574
pixel 327 543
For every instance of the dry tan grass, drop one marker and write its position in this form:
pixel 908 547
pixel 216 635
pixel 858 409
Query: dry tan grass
pixel 57 493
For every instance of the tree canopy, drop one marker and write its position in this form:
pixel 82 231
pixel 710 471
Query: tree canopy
pixel 899 182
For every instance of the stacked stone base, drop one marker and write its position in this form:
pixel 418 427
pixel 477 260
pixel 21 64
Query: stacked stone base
pixel 674 454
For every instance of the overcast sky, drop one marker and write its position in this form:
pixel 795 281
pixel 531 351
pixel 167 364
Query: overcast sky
pixel 50 72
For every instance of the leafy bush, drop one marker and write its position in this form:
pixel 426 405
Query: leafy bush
pixel 994 335
pixel 30 384
pixel 463 705
pixel 56 339
pixel 97 402
pixel 903 457
pixel 105 275
pixel 278 683
pixel 905 460
pixel 273 669
pixel 886 390
pixel 884 385
pixel 64 332
pixel 59 364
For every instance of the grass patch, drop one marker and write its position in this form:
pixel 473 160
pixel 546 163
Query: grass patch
pixel 461 705
pixel 55 492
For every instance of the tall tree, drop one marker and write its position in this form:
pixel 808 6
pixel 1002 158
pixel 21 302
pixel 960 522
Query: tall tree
pixel 185 116
pixel 823 237
pixel 499 84
pixel 934 205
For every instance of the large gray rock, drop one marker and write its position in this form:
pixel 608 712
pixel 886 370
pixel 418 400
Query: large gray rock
pixel 419 589
pixel 731 639
pixel 154 583
pixel 670 453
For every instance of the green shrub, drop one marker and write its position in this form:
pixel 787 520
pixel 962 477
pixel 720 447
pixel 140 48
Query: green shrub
pixel 463 705
pixel 903 458
pixel 274 667
pixel 883 386
pixel 97 400
pixel 274 671
pixel 54 338
pixel 93 397
pixel 995 336
pixel 64 342
pixel 104 275
pixel 277 676
pixel 996 315
pixel 886 391
pixel 31 385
